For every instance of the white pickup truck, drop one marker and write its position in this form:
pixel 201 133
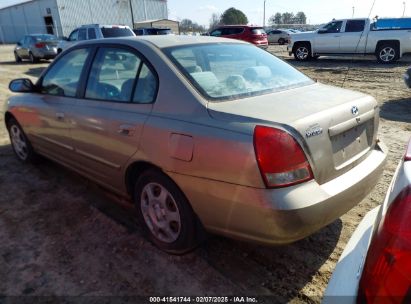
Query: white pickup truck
pixel 354 36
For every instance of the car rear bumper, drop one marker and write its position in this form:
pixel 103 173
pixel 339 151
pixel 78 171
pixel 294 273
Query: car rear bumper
pixel 45 54
pixel 284 215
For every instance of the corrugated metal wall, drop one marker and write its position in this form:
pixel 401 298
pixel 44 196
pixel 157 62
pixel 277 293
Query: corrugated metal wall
pixel 74 13
pixel 27 18
pixel 67 15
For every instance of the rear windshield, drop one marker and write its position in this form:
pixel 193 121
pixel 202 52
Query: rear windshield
pixel 231 71
pixel 116 32
pixel 44 38
pixel 258 31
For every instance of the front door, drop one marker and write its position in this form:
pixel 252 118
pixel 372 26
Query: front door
pixel 327 39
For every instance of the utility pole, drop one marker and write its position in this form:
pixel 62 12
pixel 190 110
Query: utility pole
pixel 353 9
pixel 403 11
pixel 132 13
pixel 264 15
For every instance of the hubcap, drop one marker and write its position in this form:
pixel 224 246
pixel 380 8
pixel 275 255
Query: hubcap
pixel 160 212
pixel 302 53
pixel 19 142
pixel 387 54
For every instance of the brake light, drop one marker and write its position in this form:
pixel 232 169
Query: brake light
pixel 40 45
pixel 280 158
pixel 387 271
pixel 407 156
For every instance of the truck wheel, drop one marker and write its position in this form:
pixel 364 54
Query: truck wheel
pixel 387 53
pixel 166 215
pixel 302 52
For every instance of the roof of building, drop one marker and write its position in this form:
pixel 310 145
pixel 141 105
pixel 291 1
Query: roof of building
pixel 9 3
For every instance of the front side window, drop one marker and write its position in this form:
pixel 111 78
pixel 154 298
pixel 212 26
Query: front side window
pixel 82 34
pixel 63 77
pixel 355 26
pixel 333 27
pixel 113 76
pixel 232 71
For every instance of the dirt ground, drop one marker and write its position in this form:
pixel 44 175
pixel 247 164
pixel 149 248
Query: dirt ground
pixel 61 236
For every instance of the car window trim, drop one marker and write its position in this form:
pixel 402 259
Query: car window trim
pixel 39 82
pixel 143 59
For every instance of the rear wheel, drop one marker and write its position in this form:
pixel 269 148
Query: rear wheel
pixel 281 41
pixel 302 52
pixel 17 57
pixel 33 58
pixel 20 143
pixel 387 53
pixel 165 213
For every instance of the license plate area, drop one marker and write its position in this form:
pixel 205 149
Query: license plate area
pixel 351 144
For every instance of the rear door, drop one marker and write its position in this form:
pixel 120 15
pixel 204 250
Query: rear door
pixel 353 37
pixel 109 120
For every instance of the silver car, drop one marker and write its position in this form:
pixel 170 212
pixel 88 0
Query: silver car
pixel 278 36
pixel 202 133
pixel 36 47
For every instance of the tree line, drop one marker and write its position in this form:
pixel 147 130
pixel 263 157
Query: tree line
pixel 288 18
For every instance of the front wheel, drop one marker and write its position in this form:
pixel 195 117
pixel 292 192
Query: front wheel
pixel 387 53
pixel 20 143
pixel 165 213
pixel 302 52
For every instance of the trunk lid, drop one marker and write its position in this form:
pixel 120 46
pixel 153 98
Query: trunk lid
pixel 336 127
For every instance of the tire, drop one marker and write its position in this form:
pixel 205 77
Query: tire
pixel 59 51
pixel 17 57
pixel 32 58
pixel 21 145
pixel 281 41
pixel 315 57
pixel 165 213
pixel 387 53
pixel 302 52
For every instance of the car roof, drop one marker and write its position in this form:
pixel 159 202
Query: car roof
pixel 240 25
pixel 165 41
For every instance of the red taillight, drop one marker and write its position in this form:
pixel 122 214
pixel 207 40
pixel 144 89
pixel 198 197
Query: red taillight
pixel 281 159
pixel 407 156
pixel 387 272
pixel 40 45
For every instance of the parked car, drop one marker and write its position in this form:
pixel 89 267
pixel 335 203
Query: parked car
pixel 152 31
pixel 352 36
pixel 253 34
pixel 94 31
pixel 278 36
pixel 35 47
pixel 375 265
pixel 211 134
pixel 407 77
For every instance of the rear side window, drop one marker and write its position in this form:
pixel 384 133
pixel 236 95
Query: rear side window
pixel 116 32
pixel 354 26
pixel 82 34
pixel 91 33
pixel 63 77
pixel 233 30
pixel 121 76
pixel 258 31
pixel 216 33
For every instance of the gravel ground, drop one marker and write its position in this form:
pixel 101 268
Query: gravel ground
pixel 62 236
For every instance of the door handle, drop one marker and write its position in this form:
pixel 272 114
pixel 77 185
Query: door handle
pixel 127 130
pixel 59 116
pixel 337 36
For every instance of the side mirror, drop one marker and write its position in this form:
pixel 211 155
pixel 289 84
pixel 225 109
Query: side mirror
pixel 22 85
pixel 19 43
pixel 322 31
pixel 64 38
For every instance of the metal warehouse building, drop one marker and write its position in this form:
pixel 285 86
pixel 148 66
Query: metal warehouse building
pixel 60 17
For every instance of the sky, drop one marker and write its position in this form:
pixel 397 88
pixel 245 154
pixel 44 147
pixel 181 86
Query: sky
pixel 317 11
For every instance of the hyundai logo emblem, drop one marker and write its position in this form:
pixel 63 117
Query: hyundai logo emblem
pixel 354 110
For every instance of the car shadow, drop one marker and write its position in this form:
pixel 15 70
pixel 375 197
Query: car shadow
pixel 35 72
pixel 397 110
pixel 59 205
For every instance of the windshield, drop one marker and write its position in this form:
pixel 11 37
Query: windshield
pixel 232 71
pixel 116 32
